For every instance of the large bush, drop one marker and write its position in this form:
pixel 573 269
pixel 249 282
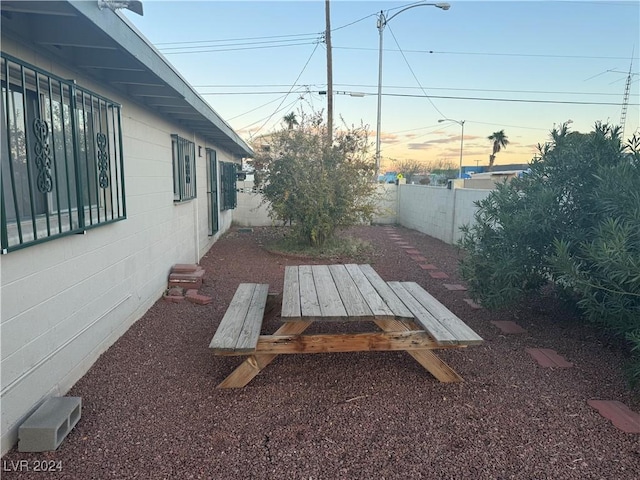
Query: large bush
pixel 314 186
pixel 573 221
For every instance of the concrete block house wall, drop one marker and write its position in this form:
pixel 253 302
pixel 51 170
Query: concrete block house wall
pixel 66 300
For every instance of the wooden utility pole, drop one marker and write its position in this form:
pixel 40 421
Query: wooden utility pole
pixel 327 37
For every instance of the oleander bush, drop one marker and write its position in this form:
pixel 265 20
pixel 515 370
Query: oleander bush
pixel 573 222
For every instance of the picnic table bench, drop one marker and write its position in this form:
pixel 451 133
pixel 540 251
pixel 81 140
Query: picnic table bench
pixel 409 318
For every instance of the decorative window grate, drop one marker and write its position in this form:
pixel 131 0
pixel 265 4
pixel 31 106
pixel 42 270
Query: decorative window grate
pixel 184 169
pixel 228 193
pixel 62 161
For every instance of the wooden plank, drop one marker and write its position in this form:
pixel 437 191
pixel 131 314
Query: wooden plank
pixel 429 360
pixel 383 302
pixel 374 301
pixel 388 295
pixel 248 337
pixel 352 299
pixel 461 331
pixel 331 306
pixel 291 294
pixel 423 316
pixel 358 342
pixel 226 336
pixel 309 306
pixel 254 364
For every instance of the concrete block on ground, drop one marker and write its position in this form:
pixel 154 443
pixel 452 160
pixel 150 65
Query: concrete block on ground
pixel 48 426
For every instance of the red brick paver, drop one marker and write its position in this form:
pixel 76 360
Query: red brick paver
pixel 413 251
pixel 438 274
pixel 455 287
pixel 418 258
pixel 548 358
pixel 472 304
pixel 620 415
pixel 509 328
pixel 428 267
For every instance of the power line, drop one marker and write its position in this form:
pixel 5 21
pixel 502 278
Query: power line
pixel 292 87
pixel 585 57
pixel 241 48
pixel 322 85
pixel 413 73
pixel 237 39
pixel 446 97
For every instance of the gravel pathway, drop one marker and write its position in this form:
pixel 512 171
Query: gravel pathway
pixel 151 409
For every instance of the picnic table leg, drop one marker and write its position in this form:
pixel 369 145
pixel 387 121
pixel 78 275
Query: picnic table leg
pixel 254 364
pixel 429 360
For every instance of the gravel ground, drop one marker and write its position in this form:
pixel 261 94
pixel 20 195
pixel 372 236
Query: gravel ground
pixel 151 409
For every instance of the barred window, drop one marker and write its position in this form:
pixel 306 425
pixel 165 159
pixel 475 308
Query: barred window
pixel 228 193
pixel 62 161
pixel 184 169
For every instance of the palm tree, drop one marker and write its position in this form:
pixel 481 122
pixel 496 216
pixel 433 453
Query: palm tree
pixel 500 141
pixel 291 120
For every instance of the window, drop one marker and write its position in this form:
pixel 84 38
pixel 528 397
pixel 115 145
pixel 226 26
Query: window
pixel 184 169
pixel 62 161
pixel 228 194
pixel 212 190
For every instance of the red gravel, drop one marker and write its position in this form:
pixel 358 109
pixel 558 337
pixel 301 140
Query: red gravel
pixel 151 409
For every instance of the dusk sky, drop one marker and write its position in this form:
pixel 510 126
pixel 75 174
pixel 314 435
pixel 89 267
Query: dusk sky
pixel 519 66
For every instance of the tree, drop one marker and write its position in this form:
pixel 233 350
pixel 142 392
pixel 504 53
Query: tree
pixel 409 168
pixel 500 141
pixel 317 187
pixel 291 120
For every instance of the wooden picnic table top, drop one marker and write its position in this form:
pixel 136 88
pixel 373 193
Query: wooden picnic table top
pixel 339 293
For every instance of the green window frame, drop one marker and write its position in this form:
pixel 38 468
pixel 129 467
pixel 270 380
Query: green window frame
pixel 184 168
pixel 62 157
pixel 228 186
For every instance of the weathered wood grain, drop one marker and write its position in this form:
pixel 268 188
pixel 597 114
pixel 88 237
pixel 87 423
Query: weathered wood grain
pixel 331 307
pixel 291 294
pixel 391 299
pixel 357 342
pixel 309 306
pixel 460 330
pixel 374 301
pixel 226 335
pixel 353 301
pixel 439 333
pixel 248 337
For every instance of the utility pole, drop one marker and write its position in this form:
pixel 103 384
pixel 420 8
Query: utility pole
pixel 327 37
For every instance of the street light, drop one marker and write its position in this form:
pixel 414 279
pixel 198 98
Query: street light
pixel 382 22
pixel 461 123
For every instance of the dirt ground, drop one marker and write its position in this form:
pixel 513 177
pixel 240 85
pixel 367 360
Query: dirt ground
pixel 151 409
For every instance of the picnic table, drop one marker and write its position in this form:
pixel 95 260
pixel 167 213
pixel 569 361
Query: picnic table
pixel 407 316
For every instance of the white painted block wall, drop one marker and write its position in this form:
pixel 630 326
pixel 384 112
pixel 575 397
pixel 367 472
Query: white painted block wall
pixel 437 211
pixel 65 301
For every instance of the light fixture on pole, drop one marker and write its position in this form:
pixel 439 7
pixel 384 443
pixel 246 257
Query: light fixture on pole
pixel 382 22
pixel 461 123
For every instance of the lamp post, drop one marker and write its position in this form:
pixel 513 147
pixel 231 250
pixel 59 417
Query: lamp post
pixel 382 22
pixel 461 123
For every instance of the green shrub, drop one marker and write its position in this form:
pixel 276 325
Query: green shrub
pixel 317 187
pixel 573 221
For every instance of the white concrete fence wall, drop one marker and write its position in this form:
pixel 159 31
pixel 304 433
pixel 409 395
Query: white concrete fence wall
pixel 435 211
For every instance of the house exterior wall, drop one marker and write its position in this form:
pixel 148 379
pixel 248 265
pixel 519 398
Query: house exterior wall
pixel 65 301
